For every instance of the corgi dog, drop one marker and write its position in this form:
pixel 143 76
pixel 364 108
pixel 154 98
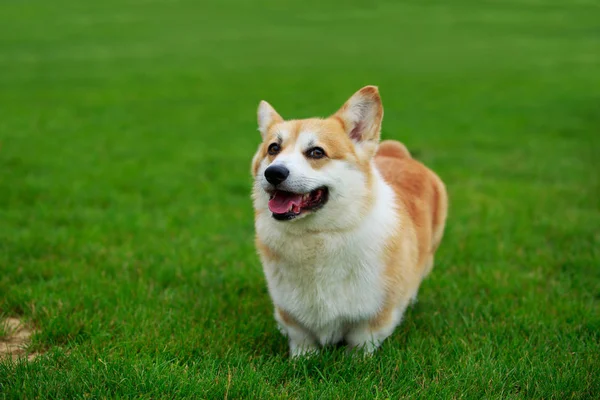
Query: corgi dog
pixel 346 226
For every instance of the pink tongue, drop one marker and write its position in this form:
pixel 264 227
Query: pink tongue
pixel 282 201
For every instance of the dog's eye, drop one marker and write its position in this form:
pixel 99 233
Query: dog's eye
pixel 316 152
pixel 274 148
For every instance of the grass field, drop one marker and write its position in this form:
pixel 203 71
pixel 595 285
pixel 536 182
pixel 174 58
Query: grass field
pixel 126 234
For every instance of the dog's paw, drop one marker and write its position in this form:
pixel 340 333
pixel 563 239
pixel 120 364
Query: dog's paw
pixel 365 351
pixel 303 351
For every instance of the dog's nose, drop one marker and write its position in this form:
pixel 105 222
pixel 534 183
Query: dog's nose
pixel 276 174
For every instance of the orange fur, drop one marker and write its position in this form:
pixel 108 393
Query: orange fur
pixel 422 203
pixel 392 148
pixel 286 317
pixel 266 251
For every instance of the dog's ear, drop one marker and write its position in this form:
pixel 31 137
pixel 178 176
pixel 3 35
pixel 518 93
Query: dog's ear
pixel 362 114
pixel 267 116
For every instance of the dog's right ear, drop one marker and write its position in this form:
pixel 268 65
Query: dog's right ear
pixel 267 116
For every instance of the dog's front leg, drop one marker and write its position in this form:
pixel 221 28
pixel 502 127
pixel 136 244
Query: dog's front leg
pixel 369 335
pixel 301 341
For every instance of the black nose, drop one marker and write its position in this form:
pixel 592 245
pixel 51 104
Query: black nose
pixel 276 174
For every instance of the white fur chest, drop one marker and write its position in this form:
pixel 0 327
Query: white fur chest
pixel 327 280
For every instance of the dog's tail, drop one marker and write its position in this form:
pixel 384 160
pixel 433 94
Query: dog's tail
pixel 392 148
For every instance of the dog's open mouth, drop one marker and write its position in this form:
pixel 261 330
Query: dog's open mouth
pixel 287 205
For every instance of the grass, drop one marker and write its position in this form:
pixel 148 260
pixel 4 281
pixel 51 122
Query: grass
pixel 126 235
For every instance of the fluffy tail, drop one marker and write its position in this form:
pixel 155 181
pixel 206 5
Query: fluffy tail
pixel 393 148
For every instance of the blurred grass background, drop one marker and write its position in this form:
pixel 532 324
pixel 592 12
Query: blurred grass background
pixel 126 232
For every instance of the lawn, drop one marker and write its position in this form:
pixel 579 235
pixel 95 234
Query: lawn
pixel 126 228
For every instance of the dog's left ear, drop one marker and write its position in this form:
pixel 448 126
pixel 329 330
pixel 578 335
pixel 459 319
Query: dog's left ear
pixel 267 116
pixel 362 115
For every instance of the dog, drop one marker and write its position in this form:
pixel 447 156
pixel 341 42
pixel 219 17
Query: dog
pixel 346 226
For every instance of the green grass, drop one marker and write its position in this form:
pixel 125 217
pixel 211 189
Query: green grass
pixel 126 234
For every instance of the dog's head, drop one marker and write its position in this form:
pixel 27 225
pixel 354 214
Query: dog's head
pixel 318 170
